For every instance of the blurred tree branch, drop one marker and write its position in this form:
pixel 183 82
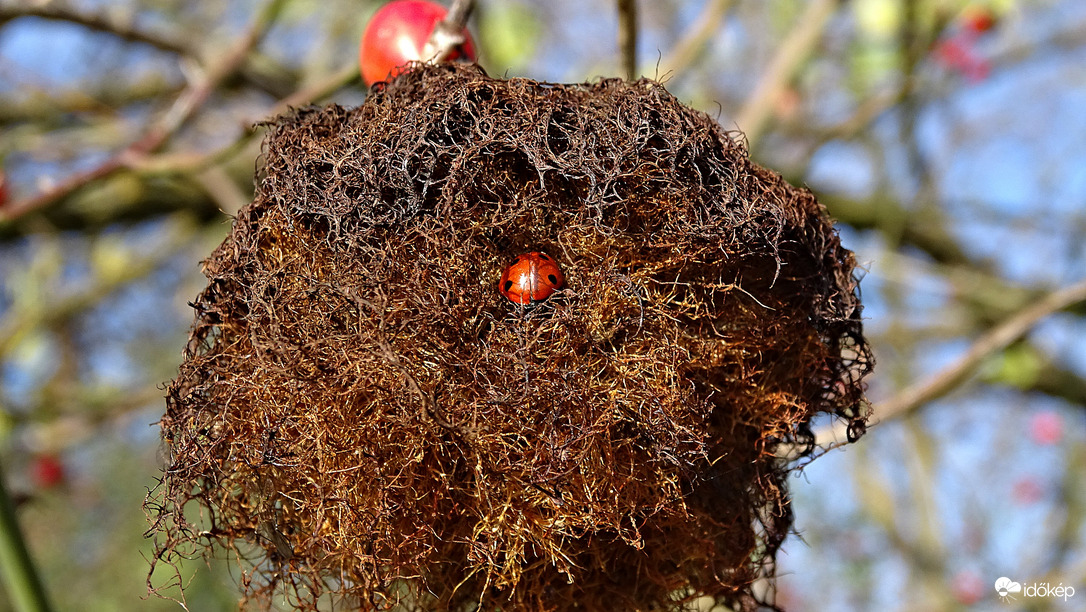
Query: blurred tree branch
pixel 106 21
pixel 152 185
pixel 18 321
pixel 888 215
pixel 258 74
pixel 948 379
pixel 49 109
pixel 158 132
pixel 693 41
pixel 1056 381
pixel 18 570
pixel 797 47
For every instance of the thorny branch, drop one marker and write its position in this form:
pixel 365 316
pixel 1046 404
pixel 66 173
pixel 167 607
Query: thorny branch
pixel 102 22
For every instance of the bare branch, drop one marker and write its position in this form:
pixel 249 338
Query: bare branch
pixel 43 107
pixel 795 49
pixel 448 34
pixel 992 342
pixel 627 36
pixel 693 40
pixel 997 339
pixel 17 322
pixel 156 135
pixel 102 22
pixel 319 89
pixel 885 213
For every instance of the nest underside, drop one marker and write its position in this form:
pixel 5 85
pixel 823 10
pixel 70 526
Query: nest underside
pixel 363 416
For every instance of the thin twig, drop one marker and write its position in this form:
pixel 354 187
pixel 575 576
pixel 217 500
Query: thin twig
pixel 20 320
pixel 627 36
pixel 797 47
pixel 873 106
pixel 448 34
pixel 198 162
pixel 102 22
pixel 34 104
pixel 109 22
pixel 319 89
pixel 154 136
pixel 997 339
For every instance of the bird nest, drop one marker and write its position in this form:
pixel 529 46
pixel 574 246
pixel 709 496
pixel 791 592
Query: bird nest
pixel 363 417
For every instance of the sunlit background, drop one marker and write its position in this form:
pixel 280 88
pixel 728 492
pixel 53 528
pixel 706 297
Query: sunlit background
pixel 947 136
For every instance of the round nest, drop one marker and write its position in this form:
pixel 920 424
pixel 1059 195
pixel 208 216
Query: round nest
pixel 364 418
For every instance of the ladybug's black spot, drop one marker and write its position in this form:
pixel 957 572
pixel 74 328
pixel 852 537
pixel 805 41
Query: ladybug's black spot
pixel 553 279
pixel 508 285
pixel 544 256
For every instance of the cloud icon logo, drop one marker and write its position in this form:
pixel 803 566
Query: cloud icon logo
pixel 1005 587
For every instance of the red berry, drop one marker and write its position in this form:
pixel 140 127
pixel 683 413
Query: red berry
pixel 46 471
pixel 3 189
pixel 958 55
pixel 531 278
pixel 397 34
pixel 1046 427
pixel 1026 491
pixel 968 587
pixel 978 19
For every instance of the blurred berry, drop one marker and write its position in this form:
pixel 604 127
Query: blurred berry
pixel 1026 491
pixel 1046 427
pixel 46 471
pixel 968 587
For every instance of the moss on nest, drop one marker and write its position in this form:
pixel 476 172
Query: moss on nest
pixel 365 418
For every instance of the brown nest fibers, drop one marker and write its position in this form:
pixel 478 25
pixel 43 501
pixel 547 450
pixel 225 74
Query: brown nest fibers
pixel 367 422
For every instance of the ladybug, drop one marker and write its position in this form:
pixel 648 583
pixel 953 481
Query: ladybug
pixel 531 277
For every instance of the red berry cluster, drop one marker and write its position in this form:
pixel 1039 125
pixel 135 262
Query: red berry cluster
pixel 958 53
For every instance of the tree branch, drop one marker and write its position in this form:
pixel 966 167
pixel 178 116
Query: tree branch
pixel 20 320
pixel 923 232
pixel 16 567
pixel 694 38
pixel 939 384
pixel 49 108
pixel 156 134
pixel 102 22
pixel 448 34
pixel 796 48
pixel 627 36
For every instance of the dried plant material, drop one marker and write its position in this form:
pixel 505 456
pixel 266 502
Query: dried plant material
pixel 364 418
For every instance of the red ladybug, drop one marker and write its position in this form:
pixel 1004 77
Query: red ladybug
pixel 531 278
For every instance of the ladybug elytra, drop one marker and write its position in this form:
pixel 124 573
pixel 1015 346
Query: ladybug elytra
pixel 531 277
